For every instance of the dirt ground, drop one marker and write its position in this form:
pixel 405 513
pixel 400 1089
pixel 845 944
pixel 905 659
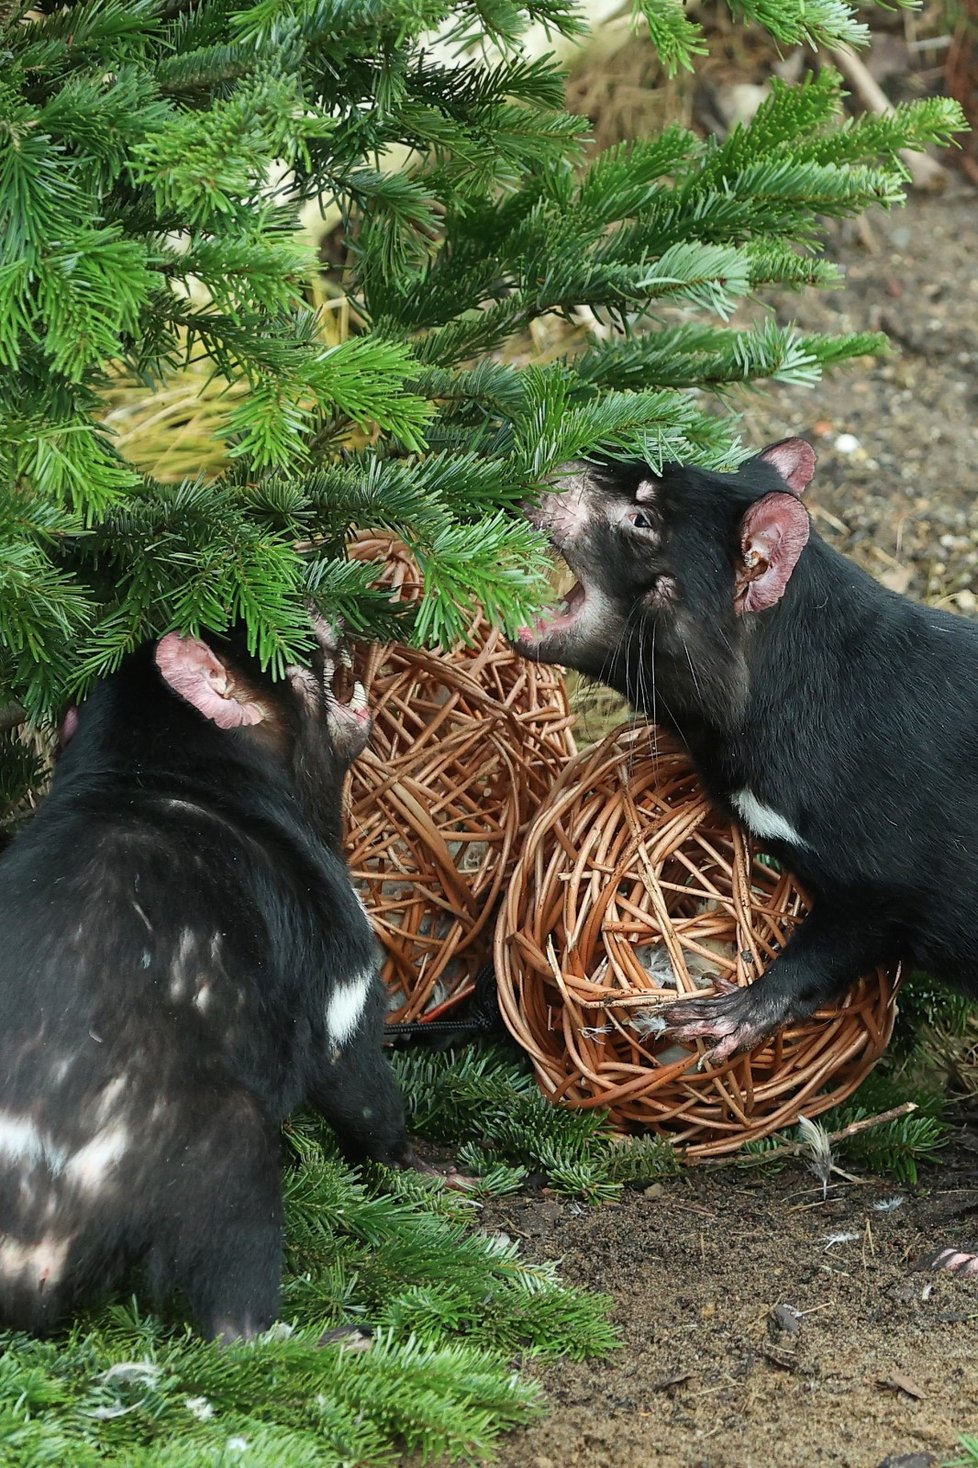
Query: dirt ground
pixel 883 1368
pixel 884 1361
pixel 897 438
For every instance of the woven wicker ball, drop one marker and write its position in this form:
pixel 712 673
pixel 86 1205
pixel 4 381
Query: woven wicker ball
pixel 629 887
pixel 465 746
pixel 405 685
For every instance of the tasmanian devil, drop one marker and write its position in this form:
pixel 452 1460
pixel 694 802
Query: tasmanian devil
pixel 835 719
pixel 183 962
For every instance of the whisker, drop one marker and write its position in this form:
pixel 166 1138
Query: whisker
pixel 692 670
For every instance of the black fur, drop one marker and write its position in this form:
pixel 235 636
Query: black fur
pixel 175 921
pixel 850 711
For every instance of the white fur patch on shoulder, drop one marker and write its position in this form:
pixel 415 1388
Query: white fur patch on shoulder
pixel 346 1006
pixel 764 821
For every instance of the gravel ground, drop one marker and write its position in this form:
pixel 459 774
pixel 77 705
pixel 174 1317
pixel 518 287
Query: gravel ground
pixel 897 439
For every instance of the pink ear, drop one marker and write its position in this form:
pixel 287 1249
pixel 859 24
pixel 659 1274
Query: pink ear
pixel 794 460
pixel 196 674
pixel 69 726
pixel 773 534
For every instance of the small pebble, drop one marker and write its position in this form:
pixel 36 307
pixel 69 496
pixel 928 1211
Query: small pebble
pixel 910 1460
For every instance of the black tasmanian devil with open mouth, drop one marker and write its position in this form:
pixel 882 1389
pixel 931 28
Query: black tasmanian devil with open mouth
pixel 835 719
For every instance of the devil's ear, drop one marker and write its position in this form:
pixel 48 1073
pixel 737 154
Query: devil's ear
pixel 794 459
pixel 773 534
pixel 194 672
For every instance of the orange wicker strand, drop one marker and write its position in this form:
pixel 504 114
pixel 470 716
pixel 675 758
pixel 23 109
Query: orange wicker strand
pixel 630 887
pixel 464 748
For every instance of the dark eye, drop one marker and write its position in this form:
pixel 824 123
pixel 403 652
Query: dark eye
pixel 640 520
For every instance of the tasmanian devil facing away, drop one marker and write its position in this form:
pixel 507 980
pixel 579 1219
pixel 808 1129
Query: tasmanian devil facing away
pixel 183 962
pixel 835 719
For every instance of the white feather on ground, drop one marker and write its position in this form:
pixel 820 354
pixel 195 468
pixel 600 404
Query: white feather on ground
pixel 818 1150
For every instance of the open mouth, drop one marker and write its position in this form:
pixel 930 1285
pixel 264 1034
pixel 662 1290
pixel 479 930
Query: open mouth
pixel 559 619
pixel 347 694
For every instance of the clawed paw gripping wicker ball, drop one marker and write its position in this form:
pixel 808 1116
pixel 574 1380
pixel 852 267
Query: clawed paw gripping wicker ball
pixel 629 887
pixel 465 746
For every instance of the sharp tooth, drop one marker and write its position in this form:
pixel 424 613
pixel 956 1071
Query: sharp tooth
pixel 346 657
pixel 359 700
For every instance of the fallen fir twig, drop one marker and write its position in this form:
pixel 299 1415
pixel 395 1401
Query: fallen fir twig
pixel 795 1149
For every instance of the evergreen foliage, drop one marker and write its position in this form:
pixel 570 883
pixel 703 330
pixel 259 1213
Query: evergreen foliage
pixel 125 1392
pixel 926 1005
pixel 154 155
pixel 153 158
pixel 486 1104
pixel 449 1309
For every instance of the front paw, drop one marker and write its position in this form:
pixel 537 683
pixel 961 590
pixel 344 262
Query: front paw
pixel 460 1182
pixel 447 1173
pixel 738 1019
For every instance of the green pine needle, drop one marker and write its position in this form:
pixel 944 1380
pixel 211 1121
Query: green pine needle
pixel 447 1308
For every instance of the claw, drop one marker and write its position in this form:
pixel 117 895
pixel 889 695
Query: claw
pixel 719 1055
pixel 734 1017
